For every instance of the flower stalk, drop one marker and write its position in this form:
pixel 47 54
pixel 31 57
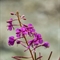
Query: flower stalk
pixel 18 16
pixel 50 56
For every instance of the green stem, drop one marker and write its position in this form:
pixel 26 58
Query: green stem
pixel 35 55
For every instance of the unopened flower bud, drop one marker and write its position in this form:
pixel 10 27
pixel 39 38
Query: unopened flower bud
pixel 12 13
pixel 23 17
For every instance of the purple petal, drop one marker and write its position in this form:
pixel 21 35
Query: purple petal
pixel 46 44
pixel 11 40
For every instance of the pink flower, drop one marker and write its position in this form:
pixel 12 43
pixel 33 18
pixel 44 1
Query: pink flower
pixel 46 44
pixel 11 40
pixel 10 25
pixel 18 33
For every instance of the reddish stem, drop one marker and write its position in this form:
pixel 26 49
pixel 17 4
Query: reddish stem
pixel 50 56
pixel 18 16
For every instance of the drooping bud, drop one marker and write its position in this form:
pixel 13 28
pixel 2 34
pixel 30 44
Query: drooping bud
pixel 23 17
pixel 12 13
pixel 46 44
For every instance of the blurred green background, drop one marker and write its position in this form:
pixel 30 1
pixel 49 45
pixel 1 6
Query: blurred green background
pixel 43 14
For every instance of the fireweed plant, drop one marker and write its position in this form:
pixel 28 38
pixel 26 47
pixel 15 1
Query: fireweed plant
pixel 21 33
